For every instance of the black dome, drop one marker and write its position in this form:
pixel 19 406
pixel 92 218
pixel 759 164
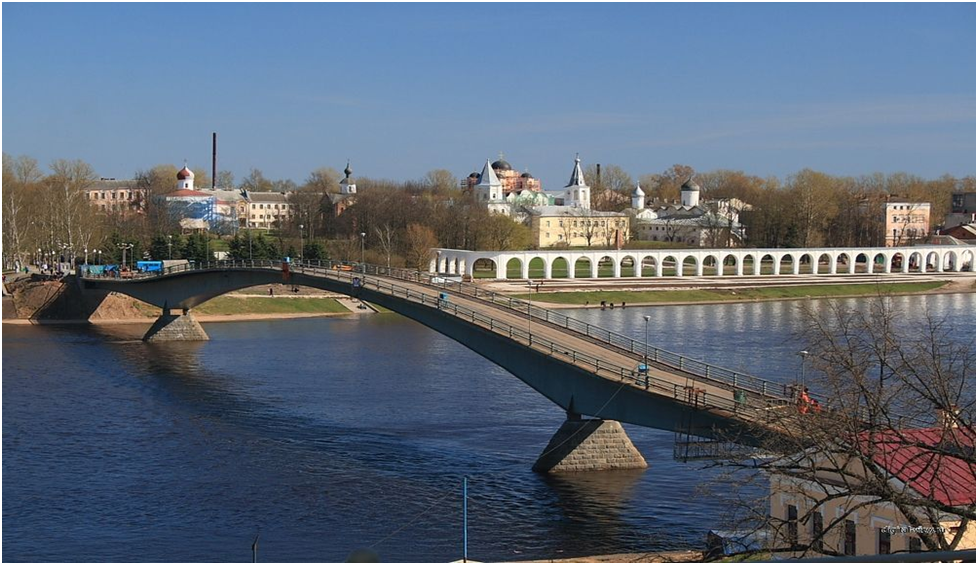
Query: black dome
pixel 474 176
pixel 526 176
pixel 501 165
pixel 690 185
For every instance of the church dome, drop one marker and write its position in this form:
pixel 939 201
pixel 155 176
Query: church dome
pixel 474 175
pixel 689 185
pixel 638 191
pixel 347 171
pixel 501 165
pixel 185 173
pixel 526 176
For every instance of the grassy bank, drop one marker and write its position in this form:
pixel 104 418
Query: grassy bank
pixel 784 292
pixel 225 305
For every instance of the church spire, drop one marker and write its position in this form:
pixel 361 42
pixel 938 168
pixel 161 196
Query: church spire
pixel 577 177
pixel 488 176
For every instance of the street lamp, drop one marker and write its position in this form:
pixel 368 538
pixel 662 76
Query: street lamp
pixel 363 235
pixel 86 256
pixel 124 247
pixel 803 354
pixel 300 241
pixel 529 315
pixel 169 246
pixel 646 364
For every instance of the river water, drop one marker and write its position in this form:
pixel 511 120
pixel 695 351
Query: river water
pixel 327 435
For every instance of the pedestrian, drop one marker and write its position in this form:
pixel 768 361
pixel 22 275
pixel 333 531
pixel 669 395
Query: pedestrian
pixel 587 303
pixel 622 304
pixel 271 292
pixel 804 401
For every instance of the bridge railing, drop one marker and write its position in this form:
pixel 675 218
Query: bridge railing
pixel 757 405
pixel 735 379
pixel 751 406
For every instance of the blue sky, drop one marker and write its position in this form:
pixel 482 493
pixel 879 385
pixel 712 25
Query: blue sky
pixel 402 89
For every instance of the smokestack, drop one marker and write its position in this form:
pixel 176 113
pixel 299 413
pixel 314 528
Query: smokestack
pixel 599 175
pixel 214 159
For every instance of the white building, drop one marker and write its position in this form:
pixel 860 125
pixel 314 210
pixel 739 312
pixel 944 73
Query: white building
pixel 711 224
pixel 577 193
pixel 489 190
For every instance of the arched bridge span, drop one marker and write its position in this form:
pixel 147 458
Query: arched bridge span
pixel 582 368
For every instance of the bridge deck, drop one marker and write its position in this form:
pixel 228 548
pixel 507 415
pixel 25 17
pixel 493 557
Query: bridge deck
pixel 601 359
pixel 730 396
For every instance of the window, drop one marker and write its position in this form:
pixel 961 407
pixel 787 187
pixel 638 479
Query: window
pixel 849 541
pixel 817 528
pixel 913 545
pixel 883 541
pixel 792 533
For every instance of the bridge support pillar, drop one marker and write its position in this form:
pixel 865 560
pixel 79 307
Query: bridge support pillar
pixel 176 327
pixel 589 445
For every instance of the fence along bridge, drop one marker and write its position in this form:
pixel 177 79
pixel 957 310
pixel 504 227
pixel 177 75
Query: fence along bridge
pixel 584 369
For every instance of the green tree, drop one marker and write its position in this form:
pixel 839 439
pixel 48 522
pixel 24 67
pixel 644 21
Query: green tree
pixel 314 251
pixel 165 247
pixel 196 248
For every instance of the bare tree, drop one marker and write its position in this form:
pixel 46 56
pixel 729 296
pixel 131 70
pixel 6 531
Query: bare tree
pixel 323 180
pixel 74 221
pixel 440 181
pixel 499 232
pixel 894 435
pixel 386 236
pixel 420 240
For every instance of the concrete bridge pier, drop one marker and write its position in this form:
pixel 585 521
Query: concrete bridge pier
pixel 589 445
pixel 175 327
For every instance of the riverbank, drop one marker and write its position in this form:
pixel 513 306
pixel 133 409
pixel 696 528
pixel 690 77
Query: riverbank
pixel 203 318
pixel 252 304
pixel 680 556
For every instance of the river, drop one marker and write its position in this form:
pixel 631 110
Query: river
pixel 326 435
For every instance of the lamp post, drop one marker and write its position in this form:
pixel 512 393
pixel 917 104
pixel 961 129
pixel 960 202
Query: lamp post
pixel 98 254
pixel 86 256
pixel 529 304
pixel 647 318
pixel 169 246
pixel 300 241
pixel 803 354
pixel 363 235
pixel 124 247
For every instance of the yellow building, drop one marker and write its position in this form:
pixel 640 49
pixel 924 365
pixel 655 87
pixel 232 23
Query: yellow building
pixel 827 516
pixel 905 222
pixel 565 226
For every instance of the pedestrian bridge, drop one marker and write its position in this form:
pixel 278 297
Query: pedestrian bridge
pixel 566 263
pixel 584 369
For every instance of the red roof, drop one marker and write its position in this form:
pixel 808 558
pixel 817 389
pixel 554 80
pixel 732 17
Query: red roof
pixel 920 458
pixel 185 173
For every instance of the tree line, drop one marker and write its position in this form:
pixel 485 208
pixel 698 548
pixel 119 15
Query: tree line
pixel 388 221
